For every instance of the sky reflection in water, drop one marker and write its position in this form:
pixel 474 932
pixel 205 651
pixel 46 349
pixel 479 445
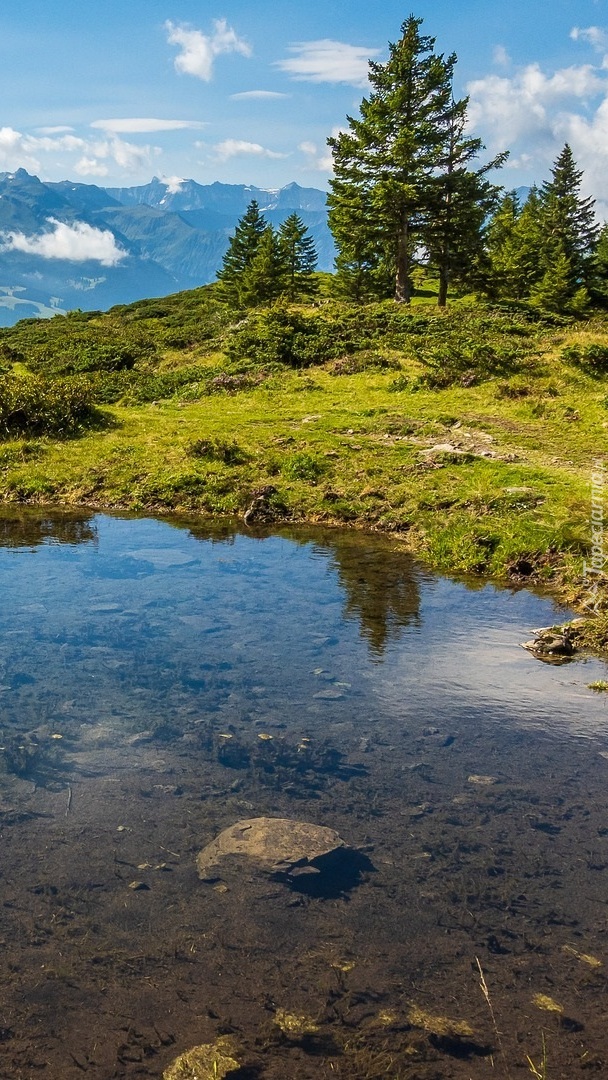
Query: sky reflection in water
pixel 128 622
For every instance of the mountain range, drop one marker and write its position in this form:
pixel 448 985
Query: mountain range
pixel 65 245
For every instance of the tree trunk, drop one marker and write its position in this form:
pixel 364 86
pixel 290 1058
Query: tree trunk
pixel 403 284
pixel 442 298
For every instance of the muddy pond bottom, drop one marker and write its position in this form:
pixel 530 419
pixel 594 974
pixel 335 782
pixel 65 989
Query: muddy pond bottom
pixel 161 680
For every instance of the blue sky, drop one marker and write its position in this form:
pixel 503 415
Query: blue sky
pixel 115 93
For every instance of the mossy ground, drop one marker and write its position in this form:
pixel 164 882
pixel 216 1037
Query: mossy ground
pixel 473 440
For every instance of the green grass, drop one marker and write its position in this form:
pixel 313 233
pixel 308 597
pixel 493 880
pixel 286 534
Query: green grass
pixel 470 434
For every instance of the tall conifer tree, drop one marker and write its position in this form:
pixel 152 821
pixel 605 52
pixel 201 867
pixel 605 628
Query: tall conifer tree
pixel 401 176
pixel 391 153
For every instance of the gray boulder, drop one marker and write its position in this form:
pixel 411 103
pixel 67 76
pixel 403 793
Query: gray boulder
pixel 277 845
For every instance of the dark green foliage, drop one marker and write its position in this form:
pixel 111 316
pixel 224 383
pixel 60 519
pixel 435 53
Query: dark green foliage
pixel 281 336
pixel 35 405
pixel 569 220
pixel 453 348
pixel 72 345
pixel 546 251
pixel 298 258
pixel 462 200
pixel 261 264
pixel 261 280
pixel 593 358
pixel 241 252
pixel 228 452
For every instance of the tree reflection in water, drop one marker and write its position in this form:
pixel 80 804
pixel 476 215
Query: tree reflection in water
pixel 380 580
pixel 29 526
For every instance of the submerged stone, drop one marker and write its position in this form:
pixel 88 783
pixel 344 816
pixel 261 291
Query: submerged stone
pixel 278 844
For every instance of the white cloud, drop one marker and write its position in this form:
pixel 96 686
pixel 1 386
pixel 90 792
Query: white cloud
pixel 18 150
pixel 593 35
pixel 174 184
pixel 328 61
pixel 230 148
pixel 534 113
pixel 124 154
pixel 75 243
pixel 144 125
pixel 88 166
pixel 257 94
pixel 22 151
pixel 198 50
pixel 526 105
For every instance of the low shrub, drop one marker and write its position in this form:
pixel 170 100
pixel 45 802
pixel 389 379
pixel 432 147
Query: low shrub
pixel 34 405
pixel 286 337
pixel 228 452
pixel 593 358
pixel 303 466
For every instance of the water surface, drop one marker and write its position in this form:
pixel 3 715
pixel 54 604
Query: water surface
pixel 162 679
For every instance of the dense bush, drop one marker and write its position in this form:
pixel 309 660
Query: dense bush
pixel 34 405
pixel 286 337
pixel 227 451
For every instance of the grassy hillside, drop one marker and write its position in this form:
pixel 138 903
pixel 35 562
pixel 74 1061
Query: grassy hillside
pixel 471 434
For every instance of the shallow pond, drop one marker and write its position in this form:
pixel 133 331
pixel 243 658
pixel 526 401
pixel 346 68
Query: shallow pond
pixel 162 679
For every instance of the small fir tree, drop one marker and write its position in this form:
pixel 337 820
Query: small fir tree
pixel 262 279
pixel 241 252
pixel 500 277
pixel 568 218
pixel 298 258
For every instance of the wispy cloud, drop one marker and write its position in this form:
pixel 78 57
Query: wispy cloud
pixel 59 129
pixel 593 35
pixel 113 150
pixel 320 158
pixel 328 61
pixel 316 158
pixel 75 243
pixel 145 125
pixel 500 56
pixel 198 51
pixel 260 95
pixel 230 148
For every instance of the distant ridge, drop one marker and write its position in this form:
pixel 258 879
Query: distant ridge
pixel 171 236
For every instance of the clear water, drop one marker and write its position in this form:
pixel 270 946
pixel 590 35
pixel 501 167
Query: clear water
pixel 140 662
pixel 128 623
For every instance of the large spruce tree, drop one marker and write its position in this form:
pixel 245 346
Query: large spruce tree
pixel 390 194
